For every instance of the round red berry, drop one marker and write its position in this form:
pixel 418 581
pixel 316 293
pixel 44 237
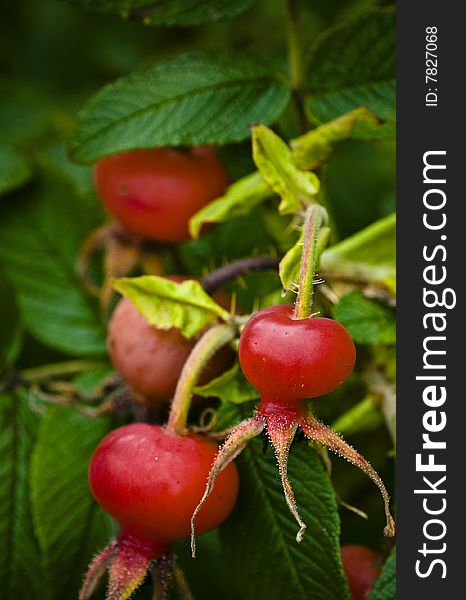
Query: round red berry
pixel 154 193
pixel 287 358
pixel 151 481
pixel 362 567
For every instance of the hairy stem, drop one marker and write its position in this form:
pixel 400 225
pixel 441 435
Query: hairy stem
pixel 211 341
pixel 312 223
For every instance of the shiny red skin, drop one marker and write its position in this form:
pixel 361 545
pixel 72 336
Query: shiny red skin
pixel 362 567
pixel 154 193
pixel 286 358
pixel 151 481
pixel 151 359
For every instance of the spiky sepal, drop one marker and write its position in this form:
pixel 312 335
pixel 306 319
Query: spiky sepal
pixel 127 560
pixel 281 420
pixel 234 445
pixel 318 432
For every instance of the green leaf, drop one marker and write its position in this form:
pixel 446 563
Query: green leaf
pixel 10 325
pixel 169 12
pixel 14 168
pixel 353 65
pixel 168 304
pixel 369 254
pixel 69 524
pixel 316 146
pixel 196 98
pixel 385 586
pixel 275 162
pixel 231 386
pixel 363 416
pixel 20 560
pixel 240 198
pixel 367 321
pixel 41 231
pixel 260 535
pixel 291 263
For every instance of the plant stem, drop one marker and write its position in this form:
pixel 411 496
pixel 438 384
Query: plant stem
pixel 211 341
pixel 313 220
pixel 63 369
pixel 295 58
pixel 217 279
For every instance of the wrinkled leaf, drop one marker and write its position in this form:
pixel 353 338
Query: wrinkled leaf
pixel 275 162
pixel 316 146
pixel 369 254
pixel 353 65
pixel 196 98
pixel 367 321
pixel 385 586
pixel 69 524
pixel 20 560
pixel 231 386
pixel 40 236
pixel 14 168
pixel 169 12
pixel 168 304
pixel 238 200
pixel 260 535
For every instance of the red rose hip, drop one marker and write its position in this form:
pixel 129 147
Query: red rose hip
pixel 287 358
pixel 362 567
pixel 150 481
pixel 154 193
pixel 151 359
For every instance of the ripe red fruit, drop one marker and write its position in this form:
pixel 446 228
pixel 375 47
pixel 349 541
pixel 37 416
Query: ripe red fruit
pixel 155 192
pixel 151 482
pixel 151 359
pixel 286 358
pixel 362 567
pixel 289 360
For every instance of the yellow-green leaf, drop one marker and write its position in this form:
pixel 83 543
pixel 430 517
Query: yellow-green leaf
pixel 315 147
pixel 238 200
pixel 275 162
pixel 369 254
pixel 166 304
pixel 231 386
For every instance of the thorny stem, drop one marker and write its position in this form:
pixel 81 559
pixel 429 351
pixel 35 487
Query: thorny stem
pixel 217 278
pixel 211 341
pixel 312 223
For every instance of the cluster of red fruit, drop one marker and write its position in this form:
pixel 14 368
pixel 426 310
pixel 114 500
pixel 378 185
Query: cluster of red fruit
pixel 150 478
pixel 147 478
